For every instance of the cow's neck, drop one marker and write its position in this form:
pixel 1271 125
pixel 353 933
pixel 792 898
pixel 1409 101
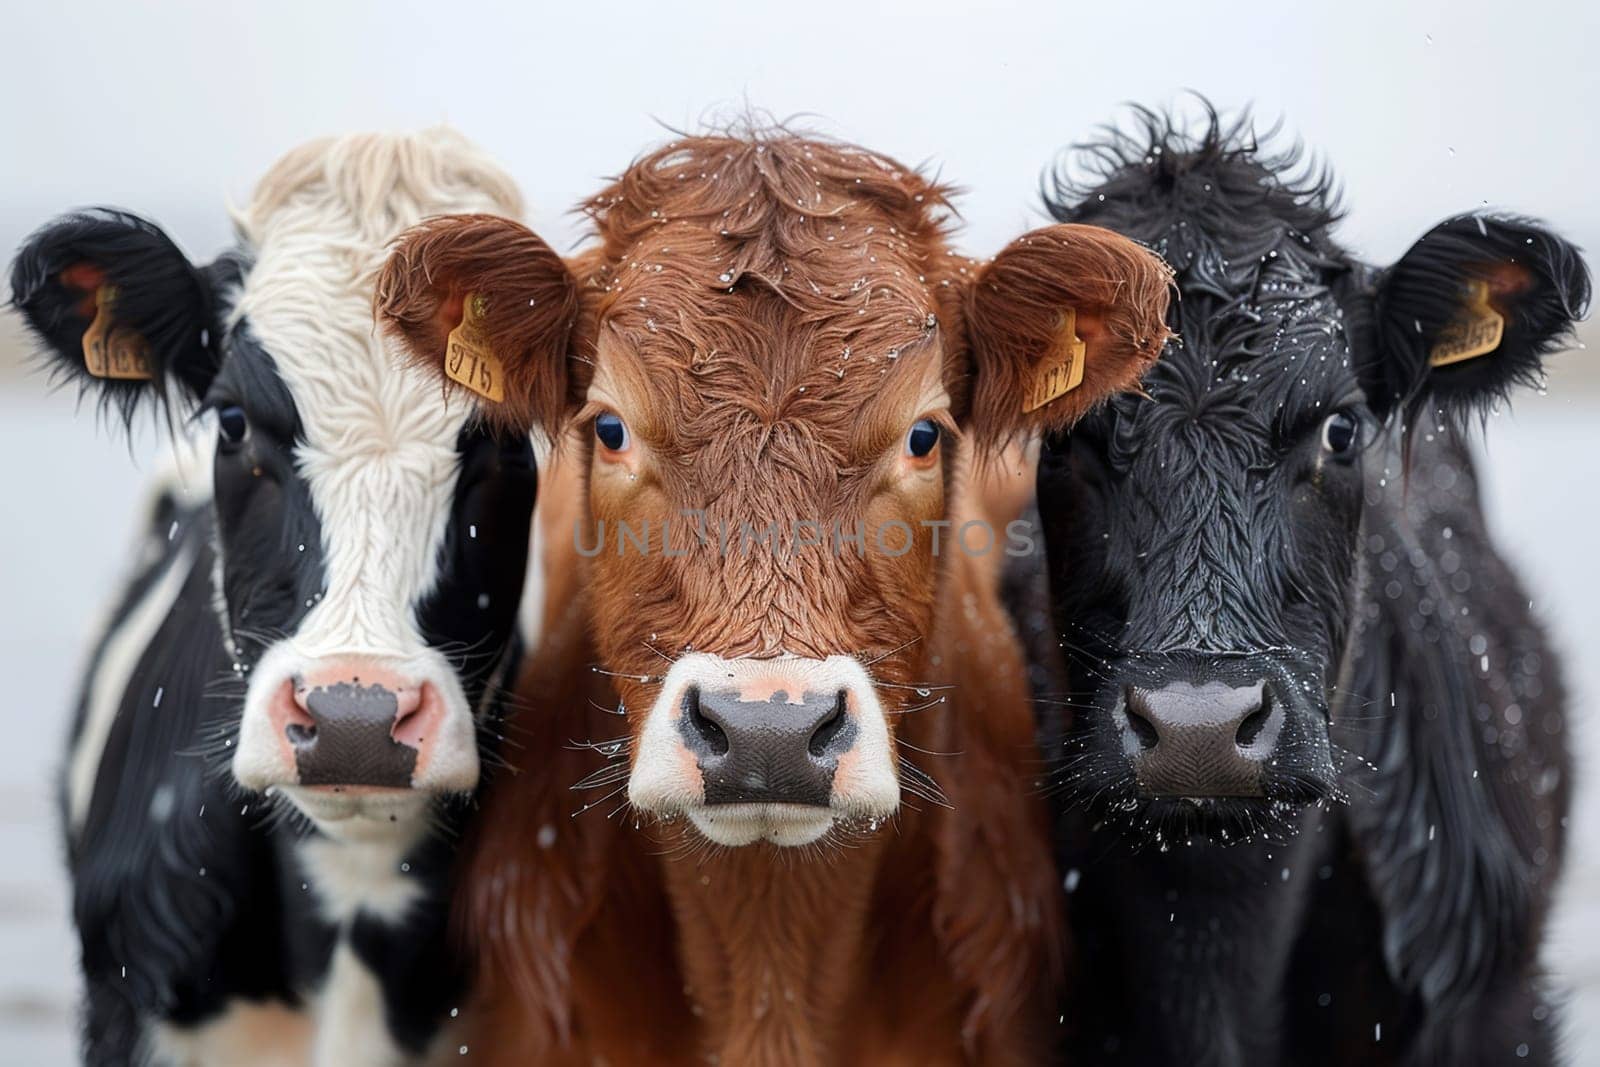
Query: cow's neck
pixel 772 943
pixel 1185 952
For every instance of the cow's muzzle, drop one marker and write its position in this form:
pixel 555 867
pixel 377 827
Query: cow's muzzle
pixel 350 724
pixel 772 751
pixel 1201 740
pixel 350 733
pixel 1241 726
pixel 777 750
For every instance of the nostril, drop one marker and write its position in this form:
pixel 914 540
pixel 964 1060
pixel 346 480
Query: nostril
pixel 416 713
pixel 403 723
pixel 1254 723
pixel 1143 730
pixel 706 730
pixel 828 730
pixel 1142 727
pixel 298 724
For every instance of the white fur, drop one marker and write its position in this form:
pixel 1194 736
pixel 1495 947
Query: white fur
pixel 530 609
pixel 737 825
pixel 185 474
pixel 259 762
pixel 379 453
pixel 666 781
pixel 364 875
pixel 110 682
pixel 258 1034
pixel 349 1009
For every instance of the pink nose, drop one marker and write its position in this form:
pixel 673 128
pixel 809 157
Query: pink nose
pixel 349 723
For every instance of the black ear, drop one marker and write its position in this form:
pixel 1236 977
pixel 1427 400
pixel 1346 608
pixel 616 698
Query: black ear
pixel 148 311
pixel 1470 312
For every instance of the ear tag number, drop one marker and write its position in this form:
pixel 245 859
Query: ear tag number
pixel 1476 331
pixel 114 351
pixel 1062 370
pixel 468 359
pixel 130 355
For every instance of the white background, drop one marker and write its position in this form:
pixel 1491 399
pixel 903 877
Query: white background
pixel 169 110
pixel 1422 111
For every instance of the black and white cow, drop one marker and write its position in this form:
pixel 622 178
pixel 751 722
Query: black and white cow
pixel 298 685
pixel 1274 591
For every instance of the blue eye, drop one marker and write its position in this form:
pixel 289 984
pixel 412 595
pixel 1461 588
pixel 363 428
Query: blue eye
pixel 611 431
pixel 232 424
pixel 923 436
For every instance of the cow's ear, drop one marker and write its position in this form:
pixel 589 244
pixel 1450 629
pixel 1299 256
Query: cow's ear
pixel 1066 316
pixel 488 306
pixel 117 307
pixel 1470 312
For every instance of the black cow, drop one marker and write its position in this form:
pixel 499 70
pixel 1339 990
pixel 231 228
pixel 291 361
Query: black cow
pixel 281 721
pixel 1312 767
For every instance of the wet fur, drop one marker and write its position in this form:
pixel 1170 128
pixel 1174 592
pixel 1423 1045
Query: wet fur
pixel 1412 898
pixel 769 305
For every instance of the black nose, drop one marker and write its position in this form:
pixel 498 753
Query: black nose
pixel 766 751
pixel 349 740
pixel 1201 740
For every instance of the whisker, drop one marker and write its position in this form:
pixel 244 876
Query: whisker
pixel 892 651
pixel 607 775
pixel 645 679
pixel 920 783
pixel 914 709
pixel 597 803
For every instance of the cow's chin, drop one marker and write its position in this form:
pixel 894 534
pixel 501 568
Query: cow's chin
pixel 360 813
pixel 1165 822
pixel 784 825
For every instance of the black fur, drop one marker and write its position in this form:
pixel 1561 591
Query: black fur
pixel 160 295
pixel 1461 796
pixel 189 894
pixel 1391 913
pixel 1420 295
pixel 172 891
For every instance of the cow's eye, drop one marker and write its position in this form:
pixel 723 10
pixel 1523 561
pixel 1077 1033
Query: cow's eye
pixel 1341 433
pixel 232 424
pixel 922 438
pixel 611 431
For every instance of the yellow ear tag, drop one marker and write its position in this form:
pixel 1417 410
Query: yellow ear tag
pixel 111 351
pixel 130 355
pixel 1476 331
pixel 467 357
pixel 1062 370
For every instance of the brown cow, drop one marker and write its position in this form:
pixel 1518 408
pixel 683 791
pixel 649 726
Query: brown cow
pixel 778 364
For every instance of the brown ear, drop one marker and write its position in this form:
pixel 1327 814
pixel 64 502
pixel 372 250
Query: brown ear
pixel 1027 307
pixel 524 304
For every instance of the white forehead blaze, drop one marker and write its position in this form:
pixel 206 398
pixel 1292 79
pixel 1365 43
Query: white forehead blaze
pixel 380 463
pixel 379 449
pixel 379 452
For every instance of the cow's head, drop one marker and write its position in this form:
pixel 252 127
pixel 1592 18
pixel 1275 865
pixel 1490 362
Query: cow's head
pixel 1204 540
pixel 372 531
pixel 778 363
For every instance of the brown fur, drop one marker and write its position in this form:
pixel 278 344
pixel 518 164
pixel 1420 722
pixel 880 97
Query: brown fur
pixel 1119 290
pixel 527 322
pixel 770 314
pixel 574 943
